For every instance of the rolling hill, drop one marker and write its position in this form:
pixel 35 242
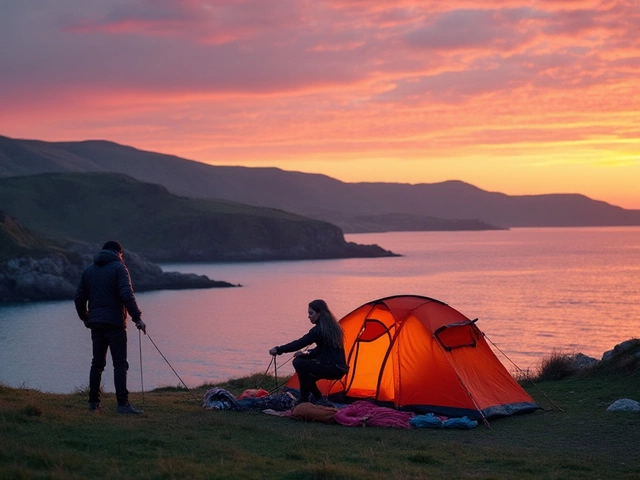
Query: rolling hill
pixel 355 207
pixel 90 208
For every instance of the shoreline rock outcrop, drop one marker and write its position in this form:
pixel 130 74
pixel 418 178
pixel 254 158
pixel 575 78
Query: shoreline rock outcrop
pixel 55 276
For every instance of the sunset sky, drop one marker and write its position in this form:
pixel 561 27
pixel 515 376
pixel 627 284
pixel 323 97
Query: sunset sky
pixel 520 97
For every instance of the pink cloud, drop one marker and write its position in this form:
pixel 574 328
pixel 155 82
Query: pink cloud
pixel 259 80
pixel 146 16
pixel 468 29
pixel 252 47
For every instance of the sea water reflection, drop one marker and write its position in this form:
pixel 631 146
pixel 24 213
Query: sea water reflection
pixel 533 290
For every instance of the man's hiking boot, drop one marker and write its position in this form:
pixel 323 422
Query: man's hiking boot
pixel 95 407
pixel 128 409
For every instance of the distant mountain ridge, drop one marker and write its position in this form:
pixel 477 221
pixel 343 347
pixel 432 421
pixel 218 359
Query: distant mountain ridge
pixel 355 207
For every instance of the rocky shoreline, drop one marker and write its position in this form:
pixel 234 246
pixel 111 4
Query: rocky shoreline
pixel 55 276
pixel 579 362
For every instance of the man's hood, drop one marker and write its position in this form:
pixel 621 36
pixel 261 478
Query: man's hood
pixel 106 256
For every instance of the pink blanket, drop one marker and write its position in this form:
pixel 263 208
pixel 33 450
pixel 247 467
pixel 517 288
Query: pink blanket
pixel 363 413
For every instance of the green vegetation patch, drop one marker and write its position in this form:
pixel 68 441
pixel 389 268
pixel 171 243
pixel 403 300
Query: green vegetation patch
pixel 56 436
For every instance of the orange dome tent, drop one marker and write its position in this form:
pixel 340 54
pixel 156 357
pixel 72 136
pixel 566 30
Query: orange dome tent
pixel 416 353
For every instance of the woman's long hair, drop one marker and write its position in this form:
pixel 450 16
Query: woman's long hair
pixel 329 328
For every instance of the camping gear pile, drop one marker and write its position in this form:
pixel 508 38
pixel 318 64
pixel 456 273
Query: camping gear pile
pixel 357 414
pixel 220 399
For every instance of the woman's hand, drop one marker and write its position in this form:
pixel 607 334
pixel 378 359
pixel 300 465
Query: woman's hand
pixel 273 351
pixel 298 354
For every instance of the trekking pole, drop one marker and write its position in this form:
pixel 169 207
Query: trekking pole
pixel 174 371
pixel 275 371
pixel 269 366
pixel 275 368
pixel 141 377
pixel 266 372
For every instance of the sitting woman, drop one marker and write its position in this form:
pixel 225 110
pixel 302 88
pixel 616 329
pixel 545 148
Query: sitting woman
pixel 326 360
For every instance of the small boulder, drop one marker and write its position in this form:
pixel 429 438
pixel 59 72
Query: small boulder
pixel 618 348
pixel 624 405
pixel 580 361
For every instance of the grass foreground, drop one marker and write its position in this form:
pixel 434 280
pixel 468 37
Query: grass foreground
pixel 54 436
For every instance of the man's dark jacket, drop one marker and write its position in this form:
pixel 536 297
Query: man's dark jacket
pixel 105 287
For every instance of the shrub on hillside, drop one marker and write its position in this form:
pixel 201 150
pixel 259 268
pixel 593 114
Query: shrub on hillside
pixel 557 366
pixel 624 358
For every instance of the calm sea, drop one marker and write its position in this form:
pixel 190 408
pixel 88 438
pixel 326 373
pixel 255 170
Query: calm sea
pixel 534 291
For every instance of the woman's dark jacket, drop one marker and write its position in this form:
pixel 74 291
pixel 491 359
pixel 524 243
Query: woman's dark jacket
pixel 105 287
pixel 323 353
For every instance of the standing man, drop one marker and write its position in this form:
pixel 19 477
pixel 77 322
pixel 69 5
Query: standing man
pixel 103 298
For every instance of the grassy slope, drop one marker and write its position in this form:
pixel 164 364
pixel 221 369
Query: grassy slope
pixel 74 205
pixel 17 240
pixel 55 436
